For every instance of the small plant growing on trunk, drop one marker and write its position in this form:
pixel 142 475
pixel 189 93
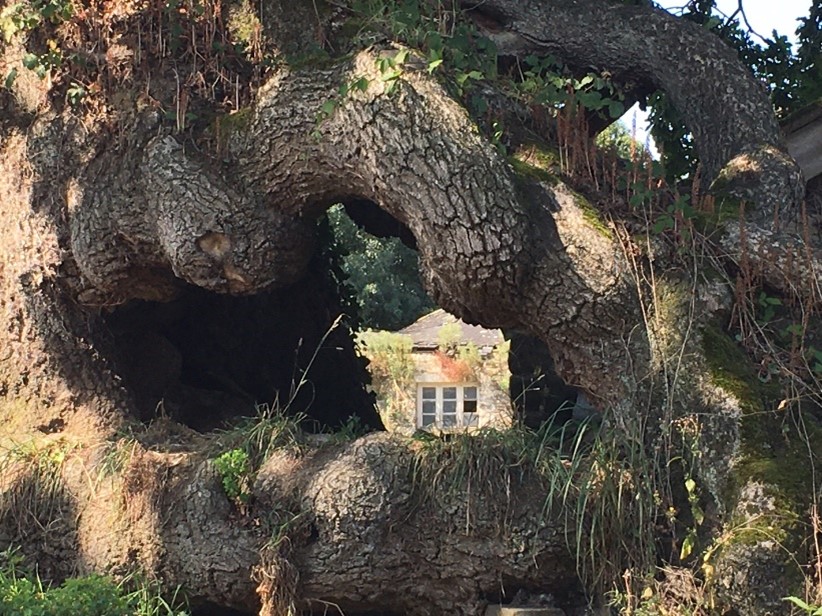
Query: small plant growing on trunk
pixel 235 471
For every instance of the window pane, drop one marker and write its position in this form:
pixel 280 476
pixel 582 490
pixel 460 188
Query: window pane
pixel 469 393
pixel 470 420
pixel 428 420
pixel 429 407
pixel 449 406
pixel 469 406
pixel 429 393
pixel 449 393
pixel 449 421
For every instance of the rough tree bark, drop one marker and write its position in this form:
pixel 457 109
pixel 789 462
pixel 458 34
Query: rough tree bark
pixel 95 219
pixel 734 126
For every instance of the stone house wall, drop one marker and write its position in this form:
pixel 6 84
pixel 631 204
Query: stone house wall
pixel 400 404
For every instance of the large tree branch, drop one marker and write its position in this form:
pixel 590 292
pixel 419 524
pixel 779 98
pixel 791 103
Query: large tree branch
pixel 358 521
pixel 493 248
pixel 150 214
pixel 728 112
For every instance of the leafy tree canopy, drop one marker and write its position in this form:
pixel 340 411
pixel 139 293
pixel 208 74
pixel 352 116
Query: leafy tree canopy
pixel 381 275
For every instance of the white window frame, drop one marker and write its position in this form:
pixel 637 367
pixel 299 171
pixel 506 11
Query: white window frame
pixel 439 399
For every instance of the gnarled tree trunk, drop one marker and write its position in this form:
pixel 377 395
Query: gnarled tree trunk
pixel 113 235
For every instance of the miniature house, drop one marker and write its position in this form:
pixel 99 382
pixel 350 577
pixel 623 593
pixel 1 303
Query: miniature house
pixel 440 374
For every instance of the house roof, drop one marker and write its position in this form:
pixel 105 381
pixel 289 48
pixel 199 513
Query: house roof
pixel 803 133
pixel 425 332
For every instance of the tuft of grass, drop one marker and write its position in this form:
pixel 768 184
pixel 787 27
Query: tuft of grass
pixel 116 457
pixel 258 436
pixel 601 485
pixel 33 496
pixel 239 452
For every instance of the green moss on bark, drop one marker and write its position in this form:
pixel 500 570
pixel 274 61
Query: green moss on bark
pixel 772 452
pixel 536 163
pixel 225 126
pixel 592 216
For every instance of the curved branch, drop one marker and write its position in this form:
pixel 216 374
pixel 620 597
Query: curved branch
pixel 727 111
pixel 493 249
pixel 140 217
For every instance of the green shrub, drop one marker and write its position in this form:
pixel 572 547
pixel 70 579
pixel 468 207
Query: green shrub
pixel 389 357
pixel 235 471
pixel 87 596
pixel 93 595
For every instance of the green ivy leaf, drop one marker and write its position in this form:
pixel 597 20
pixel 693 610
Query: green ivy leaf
pixel 360 84
pixel 687 547
pixel 616 109
pixel 30 61
pixel 401 56
pixel 662 224
pixel 479 104
pixel 328 108
pixel 699 515
pixel 584 82
pixel 690 485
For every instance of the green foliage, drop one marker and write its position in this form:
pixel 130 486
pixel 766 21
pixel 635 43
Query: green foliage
pixel 449 336
pixel 618 139
pixel 382 275
pixel 808 64
pixel 256 437
pixel 389 356
pixel 89 596
pixel 22 594
pixel 24 17
pixel 75 94
pixel 810 610
pixel 456 52
pixel 768 306
pixel 391 69
pixel 352 429
pixel 235 471
pixel 547 81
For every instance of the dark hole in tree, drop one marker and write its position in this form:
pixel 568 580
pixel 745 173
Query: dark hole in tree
pixel 211 609
pixel 539 394
pixel 571 598
pixel 329 610
pixel 205 358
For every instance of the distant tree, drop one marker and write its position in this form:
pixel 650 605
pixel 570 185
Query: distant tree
pixel 618 138
pixel 382 275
